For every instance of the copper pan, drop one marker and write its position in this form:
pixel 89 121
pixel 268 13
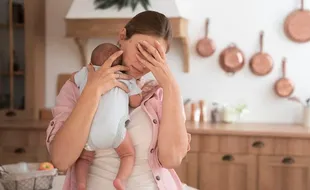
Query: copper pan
pixel 231 59
pixel 297 25
pixel 261 63
pixel 206 46
pixel 284 87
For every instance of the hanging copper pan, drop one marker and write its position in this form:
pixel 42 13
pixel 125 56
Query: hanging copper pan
pixel 284 87
pixel 261 63
pixel 206 46
pixel 231 59
pixel 297 25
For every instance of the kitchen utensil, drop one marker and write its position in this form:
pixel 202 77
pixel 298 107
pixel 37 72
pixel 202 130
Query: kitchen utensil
pixel 297 25
pixel 206 46
pixel 284 87
pixel 231 59
pixel 295 99
pixel 261 63
pixel 308 102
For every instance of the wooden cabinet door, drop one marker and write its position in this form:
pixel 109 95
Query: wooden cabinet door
pixel 284 173
pixel 22 56
pixel 188 170
pixel 227 172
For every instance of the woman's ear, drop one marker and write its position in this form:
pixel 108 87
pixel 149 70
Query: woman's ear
pixel 122 34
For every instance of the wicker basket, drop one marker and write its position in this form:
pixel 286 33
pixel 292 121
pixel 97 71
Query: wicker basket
pixel 26 176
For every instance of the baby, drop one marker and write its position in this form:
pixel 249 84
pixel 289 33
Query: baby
pixel 108 126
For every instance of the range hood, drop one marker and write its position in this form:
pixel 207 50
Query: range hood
pixel 84 21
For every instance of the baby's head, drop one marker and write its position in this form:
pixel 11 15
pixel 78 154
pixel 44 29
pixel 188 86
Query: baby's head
pixel 102 52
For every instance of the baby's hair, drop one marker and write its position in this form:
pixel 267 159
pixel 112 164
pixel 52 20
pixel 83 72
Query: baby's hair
pixel 102 52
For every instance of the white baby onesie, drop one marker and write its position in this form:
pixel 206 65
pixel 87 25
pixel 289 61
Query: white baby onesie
pixel 108 126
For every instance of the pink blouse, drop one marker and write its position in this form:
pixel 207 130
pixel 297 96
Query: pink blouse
pixel 151 104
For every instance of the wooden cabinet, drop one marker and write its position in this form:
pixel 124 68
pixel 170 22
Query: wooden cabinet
pixel 188 171
pixel 247 157
pixel 284 173
pixel 227 171
pixel 23 142
pixel 22 59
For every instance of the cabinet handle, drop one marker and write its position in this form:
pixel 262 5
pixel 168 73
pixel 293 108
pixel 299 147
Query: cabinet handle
pixel 228 157
pixel 19 150
pixel 10 114
pixel 258 144
pixel 288 160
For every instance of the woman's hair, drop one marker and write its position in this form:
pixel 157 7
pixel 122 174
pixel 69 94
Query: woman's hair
pixel 150 23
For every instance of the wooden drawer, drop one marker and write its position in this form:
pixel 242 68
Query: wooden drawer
pixel 224 144
pixel 22 138
pixel 291 146
pixel 261 145
pixel 279 146
pixel 9 155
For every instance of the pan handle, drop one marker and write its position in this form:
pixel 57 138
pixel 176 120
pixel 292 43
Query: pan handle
pixel 207 26
pixel 261 41
pixel 284 67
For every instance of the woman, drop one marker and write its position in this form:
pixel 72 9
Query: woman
pixel 157 127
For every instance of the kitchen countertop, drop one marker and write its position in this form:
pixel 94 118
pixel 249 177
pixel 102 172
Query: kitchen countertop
pixel 249 129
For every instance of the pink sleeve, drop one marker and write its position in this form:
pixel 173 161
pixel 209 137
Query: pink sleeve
pixel 65 102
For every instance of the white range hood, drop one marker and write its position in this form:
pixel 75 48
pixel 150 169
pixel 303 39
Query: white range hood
pixel 84 9
pixel 84 21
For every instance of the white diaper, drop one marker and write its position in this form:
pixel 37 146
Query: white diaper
pixel 108 126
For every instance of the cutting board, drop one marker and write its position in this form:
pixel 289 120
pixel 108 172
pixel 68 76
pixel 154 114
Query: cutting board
pixel 45 113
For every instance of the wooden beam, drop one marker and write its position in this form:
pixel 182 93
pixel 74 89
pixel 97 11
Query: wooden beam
pixel 81 43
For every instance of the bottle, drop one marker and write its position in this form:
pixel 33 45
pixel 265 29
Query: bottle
pixel 195 113
pixel 215 113
pixel 203 111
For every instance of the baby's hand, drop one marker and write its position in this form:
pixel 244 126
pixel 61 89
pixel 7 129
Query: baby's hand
pixel 148 86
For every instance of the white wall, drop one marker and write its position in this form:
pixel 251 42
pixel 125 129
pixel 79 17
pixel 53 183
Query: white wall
pixel 236 21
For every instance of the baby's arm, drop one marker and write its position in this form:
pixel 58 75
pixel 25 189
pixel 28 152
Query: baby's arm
pixel 135 94
pixel 135 100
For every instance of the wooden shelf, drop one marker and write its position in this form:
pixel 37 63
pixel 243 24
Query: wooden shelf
pixel 16 25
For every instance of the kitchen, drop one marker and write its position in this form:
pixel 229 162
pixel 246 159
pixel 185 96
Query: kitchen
pixel 271 133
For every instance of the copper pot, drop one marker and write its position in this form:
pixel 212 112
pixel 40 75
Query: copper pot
pixel 297 25
pixel 261 63
pixel 206 46
pixel 231 59
pixel 284 87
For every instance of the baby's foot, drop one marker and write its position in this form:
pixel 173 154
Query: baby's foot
pixel 118 184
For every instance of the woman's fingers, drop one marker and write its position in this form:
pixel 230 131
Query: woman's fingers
pixel 122 86
pixel 160 50
pixel 110 60
pixel 118 68
pixel 90 68
pixel 151 50
pixel 147 56
pixel 122 76
pixel 145 62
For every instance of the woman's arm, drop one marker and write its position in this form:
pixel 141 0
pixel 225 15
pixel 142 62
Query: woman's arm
pixel 173 139
pixel 70 139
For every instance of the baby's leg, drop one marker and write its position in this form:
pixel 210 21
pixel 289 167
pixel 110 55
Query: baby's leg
pixel 126 152
pixel 82 166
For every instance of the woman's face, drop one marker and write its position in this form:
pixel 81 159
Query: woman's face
pixel 129 46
